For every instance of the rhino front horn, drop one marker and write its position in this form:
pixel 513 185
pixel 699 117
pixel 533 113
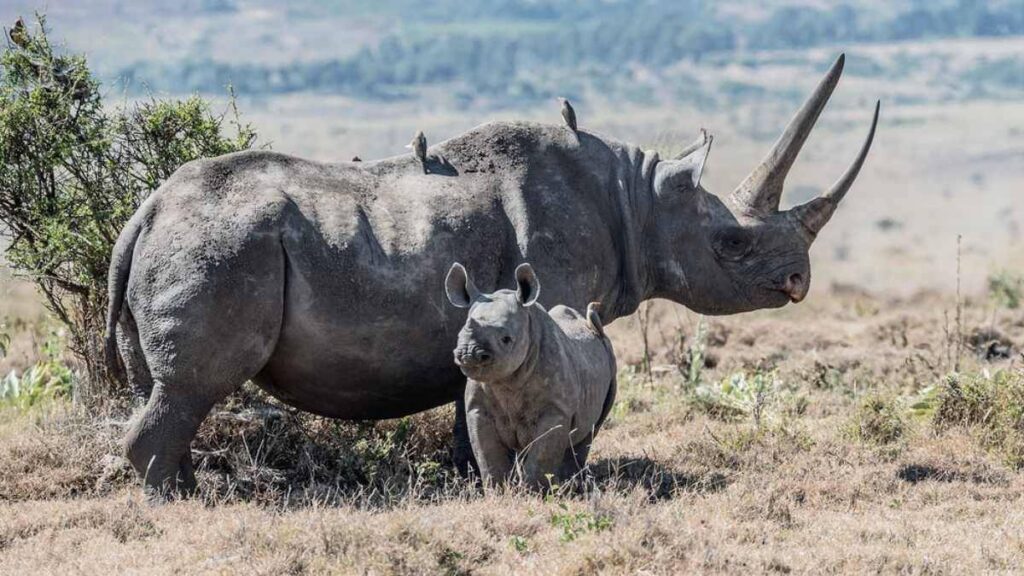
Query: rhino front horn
pixel 815 214
pixel 761 191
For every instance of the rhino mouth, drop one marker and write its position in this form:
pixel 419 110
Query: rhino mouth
pixel 474 361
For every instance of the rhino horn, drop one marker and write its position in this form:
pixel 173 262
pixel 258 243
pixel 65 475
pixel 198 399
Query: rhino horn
pixel 761 190
pixel 814 214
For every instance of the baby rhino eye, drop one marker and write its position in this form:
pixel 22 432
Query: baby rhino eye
pixel 506 340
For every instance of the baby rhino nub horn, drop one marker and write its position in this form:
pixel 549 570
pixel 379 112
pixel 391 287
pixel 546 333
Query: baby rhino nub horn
pixel 816 213
pixel 761 191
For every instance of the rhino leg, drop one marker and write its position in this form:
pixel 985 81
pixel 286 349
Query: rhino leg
pixel 575 459
pixel 158 440
pixel 462 448
pixel 203 333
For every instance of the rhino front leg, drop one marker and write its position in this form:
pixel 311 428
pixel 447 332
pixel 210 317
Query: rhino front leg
pixel 462 448
pixel 494 458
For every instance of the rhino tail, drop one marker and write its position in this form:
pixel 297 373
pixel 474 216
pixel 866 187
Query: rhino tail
pixel 594 317
pixel 117 286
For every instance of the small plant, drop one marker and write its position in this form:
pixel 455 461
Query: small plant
pixel 878 420
pixel 739 395
pixel 575 524
pixel 695 355
pixel 520 544
pixel 924 403
pixel 1006 289
pixel 46 380
pixel 643 319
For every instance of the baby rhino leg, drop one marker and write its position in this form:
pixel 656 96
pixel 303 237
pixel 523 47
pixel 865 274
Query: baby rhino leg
pixel 492 456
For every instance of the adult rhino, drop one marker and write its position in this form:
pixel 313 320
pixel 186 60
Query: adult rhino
pixel 322 283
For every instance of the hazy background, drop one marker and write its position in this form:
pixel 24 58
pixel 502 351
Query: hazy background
pixel 336 78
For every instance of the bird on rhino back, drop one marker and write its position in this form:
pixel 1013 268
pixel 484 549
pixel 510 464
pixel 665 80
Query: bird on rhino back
pixel 317 281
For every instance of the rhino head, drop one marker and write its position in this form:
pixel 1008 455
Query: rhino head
pixel 495 339
pixel 744 253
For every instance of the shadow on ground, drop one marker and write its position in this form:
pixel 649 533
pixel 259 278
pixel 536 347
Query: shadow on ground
pixel 660 482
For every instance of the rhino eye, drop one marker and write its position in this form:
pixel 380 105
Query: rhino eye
pixel 733 244
pixel 506 340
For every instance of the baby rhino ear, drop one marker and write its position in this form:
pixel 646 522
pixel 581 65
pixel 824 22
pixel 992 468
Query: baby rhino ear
pixel 527 285
pixel 460 289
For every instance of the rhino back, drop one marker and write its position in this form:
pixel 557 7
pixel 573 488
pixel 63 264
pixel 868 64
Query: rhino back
pixel 590 366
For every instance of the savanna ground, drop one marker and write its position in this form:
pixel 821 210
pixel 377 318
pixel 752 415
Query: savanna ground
pixel 844 446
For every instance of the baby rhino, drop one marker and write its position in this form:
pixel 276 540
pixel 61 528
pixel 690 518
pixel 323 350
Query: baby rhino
pixel 539 384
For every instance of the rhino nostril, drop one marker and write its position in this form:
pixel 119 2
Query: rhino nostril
pixel 482 356
pixel 795 286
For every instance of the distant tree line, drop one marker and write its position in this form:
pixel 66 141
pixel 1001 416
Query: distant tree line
pixel 537 45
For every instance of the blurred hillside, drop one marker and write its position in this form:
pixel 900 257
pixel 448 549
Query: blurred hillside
pixel 507 52
pixel 336 78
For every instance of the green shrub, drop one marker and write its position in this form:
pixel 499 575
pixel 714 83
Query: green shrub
pixel 74 171
pixel 991 403
pixel 878 420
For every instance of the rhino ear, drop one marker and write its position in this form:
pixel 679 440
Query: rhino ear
pixel 527 285
pixel 695 156
pixel 459 288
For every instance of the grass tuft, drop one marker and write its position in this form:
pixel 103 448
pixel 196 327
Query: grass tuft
pixel 878 420
pixel 992 404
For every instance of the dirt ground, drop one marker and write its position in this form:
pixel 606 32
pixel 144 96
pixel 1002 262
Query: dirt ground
pixel 807 483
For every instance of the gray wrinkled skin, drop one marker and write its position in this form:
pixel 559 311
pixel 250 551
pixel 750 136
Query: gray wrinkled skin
pixel 321 282
pixel 539 385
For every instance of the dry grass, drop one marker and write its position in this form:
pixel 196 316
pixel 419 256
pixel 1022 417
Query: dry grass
pixel 673 487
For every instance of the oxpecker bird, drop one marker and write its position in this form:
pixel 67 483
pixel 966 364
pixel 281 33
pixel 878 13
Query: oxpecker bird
pixel 568 114
pixel 18 34
pixel 419 149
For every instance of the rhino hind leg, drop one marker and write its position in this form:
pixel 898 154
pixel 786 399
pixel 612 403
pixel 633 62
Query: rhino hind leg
pixel 221 331
pixel 159 438
pixel 575 459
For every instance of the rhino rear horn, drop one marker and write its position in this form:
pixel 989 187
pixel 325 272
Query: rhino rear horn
pixel 761 191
